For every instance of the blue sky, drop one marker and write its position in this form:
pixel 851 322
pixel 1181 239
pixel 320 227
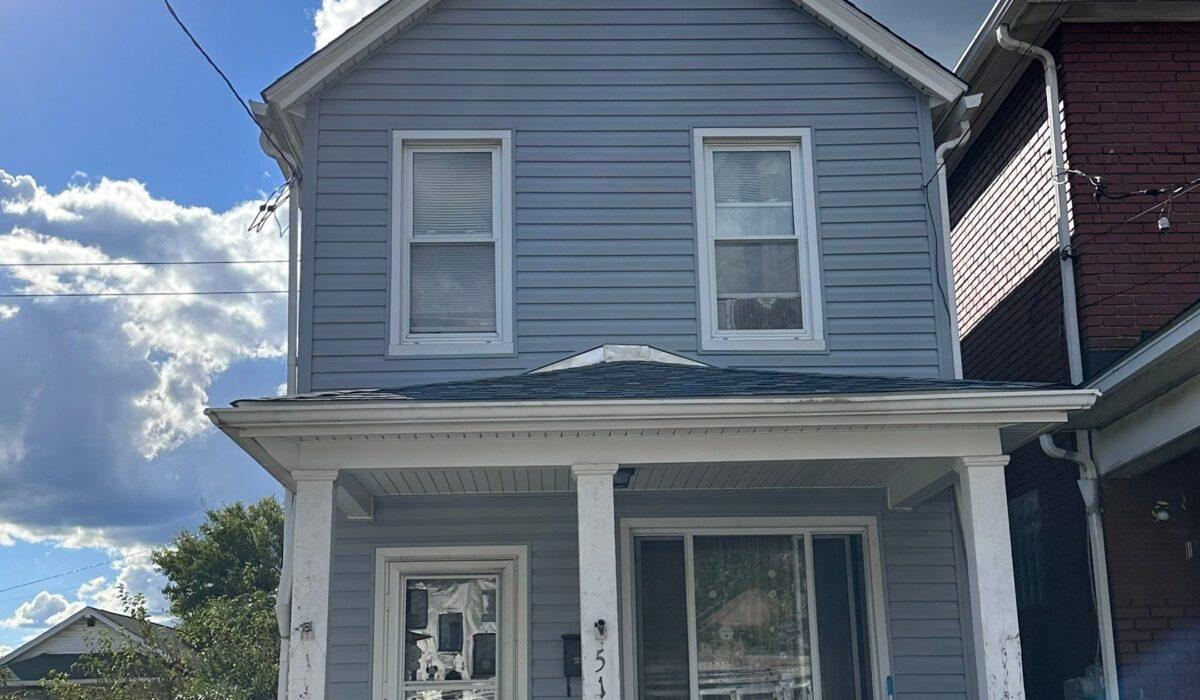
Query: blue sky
pixel 118 142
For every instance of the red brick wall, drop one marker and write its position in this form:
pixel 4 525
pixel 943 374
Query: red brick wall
pixel 1002 214
pixel 1131 95
pixel 1155 589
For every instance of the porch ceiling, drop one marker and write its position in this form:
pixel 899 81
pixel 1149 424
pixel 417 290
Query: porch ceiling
pixel 842 473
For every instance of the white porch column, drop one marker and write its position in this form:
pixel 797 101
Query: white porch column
pixel 983 508
pixel 311 559
pixel 598 581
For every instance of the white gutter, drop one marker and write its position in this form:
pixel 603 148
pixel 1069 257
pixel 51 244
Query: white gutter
pixel 1066 262
pixel 1089 487
pixel 969 102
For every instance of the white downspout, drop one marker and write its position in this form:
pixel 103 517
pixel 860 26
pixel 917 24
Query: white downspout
pixel 1089 487
pixel 1089 482
pixel 283 599
pixel 1066 263
pixel 970 102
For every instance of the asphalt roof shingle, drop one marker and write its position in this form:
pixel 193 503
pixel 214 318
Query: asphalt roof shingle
pixel 650 380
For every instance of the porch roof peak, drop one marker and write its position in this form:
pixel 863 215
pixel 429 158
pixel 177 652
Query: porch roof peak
pixel 618 353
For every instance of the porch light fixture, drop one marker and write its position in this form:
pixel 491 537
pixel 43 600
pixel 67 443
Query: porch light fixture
pixel 623 477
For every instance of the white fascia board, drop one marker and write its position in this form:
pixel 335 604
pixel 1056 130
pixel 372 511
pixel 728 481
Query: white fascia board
pixel 296 84
pixel 995 408
pixel 927 74
pixel 939 83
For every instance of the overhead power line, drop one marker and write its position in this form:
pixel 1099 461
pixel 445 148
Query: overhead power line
pixel 228 83
pixel 131 263
pixel 75 571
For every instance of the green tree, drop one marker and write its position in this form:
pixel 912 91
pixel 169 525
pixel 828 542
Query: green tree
pixel 237 550
pixel 222 579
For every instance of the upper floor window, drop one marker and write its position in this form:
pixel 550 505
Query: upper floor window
pixel 451 281
pixel 758 259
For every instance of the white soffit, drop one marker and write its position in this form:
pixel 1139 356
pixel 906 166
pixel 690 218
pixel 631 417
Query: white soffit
pixel 926 74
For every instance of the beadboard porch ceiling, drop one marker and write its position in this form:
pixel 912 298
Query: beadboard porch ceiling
pixel 843 473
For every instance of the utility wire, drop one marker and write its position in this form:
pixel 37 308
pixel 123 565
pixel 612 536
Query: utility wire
pixel 74 571
pixel 125 263
pixel 59 295
pixel 228 83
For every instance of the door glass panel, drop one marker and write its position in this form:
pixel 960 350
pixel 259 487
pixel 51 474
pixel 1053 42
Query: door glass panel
pixel 751 617
pixel 841 616
pixel 662 619
pixel 450 630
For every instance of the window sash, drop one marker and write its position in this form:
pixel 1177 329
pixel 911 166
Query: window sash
pixel 792 147
pixel 410 238
pixel 797 143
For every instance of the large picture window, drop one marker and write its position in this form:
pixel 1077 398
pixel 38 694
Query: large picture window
pixel 755 213
pixel 451 220
pixel 764 613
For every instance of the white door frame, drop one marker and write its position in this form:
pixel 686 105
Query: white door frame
pixel 509 562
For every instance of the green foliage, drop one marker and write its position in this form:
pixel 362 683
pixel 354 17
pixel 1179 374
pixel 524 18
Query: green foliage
pixel 222 583
pixel 236 551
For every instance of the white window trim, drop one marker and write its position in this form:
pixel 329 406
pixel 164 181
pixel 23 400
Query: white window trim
pixel 401 343
pixel 867 526
pixel 804 207
pixel 510 563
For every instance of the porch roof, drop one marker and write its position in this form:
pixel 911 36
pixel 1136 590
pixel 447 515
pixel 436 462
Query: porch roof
pixel 632 380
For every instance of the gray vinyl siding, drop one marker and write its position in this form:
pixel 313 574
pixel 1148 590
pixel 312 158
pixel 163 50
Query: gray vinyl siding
pixel 922 562
pixel 601 103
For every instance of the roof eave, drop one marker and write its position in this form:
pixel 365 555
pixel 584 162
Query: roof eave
pixel 293 419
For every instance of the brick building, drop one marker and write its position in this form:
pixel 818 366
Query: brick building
pixel 1128 74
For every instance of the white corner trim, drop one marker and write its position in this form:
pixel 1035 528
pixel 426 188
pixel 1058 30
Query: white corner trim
pixel 799 142
pixel 865 525
pixel 401 343
pixel 510 560
pixel 618 353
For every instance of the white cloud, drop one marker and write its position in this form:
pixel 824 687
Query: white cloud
pixel 336 16
pixel 44 609
pixel 188 340
pixel 7 311
pixel 5 650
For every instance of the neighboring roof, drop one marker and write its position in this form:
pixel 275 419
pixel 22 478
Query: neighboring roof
pixel 649 380
pixel 994 71
pixel 1150 369
pixel 108 618
pixel 35 668
pixel 361 40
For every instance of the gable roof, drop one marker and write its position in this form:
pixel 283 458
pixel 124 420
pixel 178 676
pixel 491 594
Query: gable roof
pixel 112 620
pixel 394 16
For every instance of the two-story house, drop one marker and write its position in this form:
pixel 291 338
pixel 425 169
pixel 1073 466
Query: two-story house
pixel 625 363
pixel 1069 269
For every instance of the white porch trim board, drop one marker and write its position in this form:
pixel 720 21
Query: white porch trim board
pixel 598 606
pixel 312 557
pixel 983 508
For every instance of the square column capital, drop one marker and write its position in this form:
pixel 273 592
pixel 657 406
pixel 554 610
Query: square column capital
pixel 982 462
pixel 581 470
